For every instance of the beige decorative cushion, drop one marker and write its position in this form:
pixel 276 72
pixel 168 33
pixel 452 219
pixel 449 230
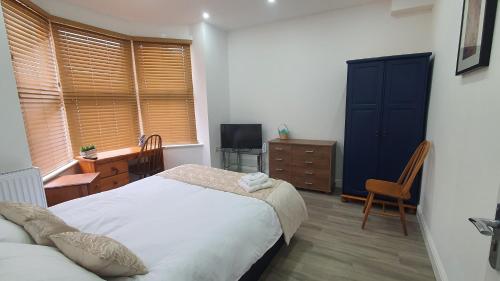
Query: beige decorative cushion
pixel 41 229
pixel 20 213
pixel 99 254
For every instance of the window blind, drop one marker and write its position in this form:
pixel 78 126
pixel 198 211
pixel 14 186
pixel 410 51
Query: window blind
pixel 98 88
pixel 34 66
pixel 166 91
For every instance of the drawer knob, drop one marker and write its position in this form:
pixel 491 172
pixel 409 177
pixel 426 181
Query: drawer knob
pixel 114 170
pixel 279 170
pixel 309 151
pixel 308 183
pixel 308 162
pixel 309 173
pixel 279 159
pixel 115 183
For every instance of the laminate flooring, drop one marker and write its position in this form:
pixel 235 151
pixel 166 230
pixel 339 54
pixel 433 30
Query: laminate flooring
pixel 332 246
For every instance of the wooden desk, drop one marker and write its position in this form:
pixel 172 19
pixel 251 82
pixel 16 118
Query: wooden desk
pixel 112 166
pixel 69 187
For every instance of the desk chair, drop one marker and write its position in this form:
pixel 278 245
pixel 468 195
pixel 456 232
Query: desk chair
pixel 399 190
pixel 150 160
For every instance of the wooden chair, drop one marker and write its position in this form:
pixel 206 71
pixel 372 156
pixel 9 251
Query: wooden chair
pixel 399 190
pixel 150 160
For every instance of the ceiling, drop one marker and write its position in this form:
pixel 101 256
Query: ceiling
pixel 226 14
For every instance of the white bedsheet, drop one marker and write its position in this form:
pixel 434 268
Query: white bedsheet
pixel 181 232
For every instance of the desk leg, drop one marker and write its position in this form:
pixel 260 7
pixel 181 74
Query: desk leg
pixel 259 163
pixel 238 161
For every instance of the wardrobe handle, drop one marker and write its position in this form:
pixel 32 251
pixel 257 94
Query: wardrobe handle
pixel 279 159
pixel 308 162
pixel 309 151
pixel 279 170
pixel 309 173
pixel 308 183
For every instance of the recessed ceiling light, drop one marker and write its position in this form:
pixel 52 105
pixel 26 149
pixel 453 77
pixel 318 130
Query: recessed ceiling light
pixel 271 1
pixel 206 15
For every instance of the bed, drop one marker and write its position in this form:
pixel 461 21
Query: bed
pixel 184 231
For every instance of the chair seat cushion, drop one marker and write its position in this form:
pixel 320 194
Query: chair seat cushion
pixel 386 188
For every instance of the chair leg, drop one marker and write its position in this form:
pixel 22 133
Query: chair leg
pixel 402 215
pixel 366 202
pixel 368 208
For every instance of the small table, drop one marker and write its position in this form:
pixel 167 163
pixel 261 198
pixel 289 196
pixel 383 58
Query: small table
pixel 226 155
pixel 69 187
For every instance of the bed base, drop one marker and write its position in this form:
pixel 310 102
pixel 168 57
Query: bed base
pixel 255 272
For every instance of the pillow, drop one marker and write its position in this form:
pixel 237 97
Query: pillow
pixel 20 213
pixel 41 229
pixel 13 233
pixel 99 254
pixel 23 262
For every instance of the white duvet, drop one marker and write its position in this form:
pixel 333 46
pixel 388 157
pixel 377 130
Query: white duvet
pixel 181 232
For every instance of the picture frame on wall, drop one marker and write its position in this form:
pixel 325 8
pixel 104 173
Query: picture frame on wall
pixel 476 34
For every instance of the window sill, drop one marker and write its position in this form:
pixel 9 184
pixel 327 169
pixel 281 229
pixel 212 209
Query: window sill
pixel 169 146
pixel 59 171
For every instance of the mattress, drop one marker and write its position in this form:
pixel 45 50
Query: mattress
pixel 180 231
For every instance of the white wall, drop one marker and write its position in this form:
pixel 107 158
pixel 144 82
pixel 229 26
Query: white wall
pixel 295 71
pixel 14 151
pixel 399 7
pixel 80 14
pixel 210 44
pixel 175 156
pixel 462 175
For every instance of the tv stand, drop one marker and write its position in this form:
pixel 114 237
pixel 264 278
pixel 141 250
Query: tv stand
pixel 226 157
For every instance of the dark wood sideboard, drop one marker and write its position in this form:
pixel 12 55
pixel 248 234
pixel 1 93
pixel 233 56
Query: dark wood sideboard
pixel 307 164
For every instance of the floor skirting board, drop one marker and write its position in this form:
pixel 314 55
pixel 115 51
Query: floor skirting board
pixel 437 264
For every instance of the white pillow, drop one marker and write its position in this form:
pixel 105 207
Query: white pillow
pixel 13 233
pixel 22 262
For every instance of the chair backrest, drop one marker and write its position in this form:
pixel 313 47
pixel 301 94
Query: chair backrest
pixel 413 167
pixel 150 160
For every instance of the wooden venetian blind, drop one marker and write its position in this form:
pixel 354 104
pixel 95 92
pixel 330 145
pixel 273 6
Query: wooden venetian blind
pixel 97 82
pixel 34 66
pixel 166 91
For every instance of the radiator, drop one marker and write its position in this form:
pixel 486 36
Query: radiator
pixel 23 186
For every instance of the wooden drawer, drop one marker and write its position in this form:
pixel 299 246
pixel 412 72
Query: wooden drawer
pixel 311 152
pixel 62 194
pixel 112 168
pixel 276 148
pixel 311 182
pixel 311 163
pixel 311 172
pixel 280 160
pixel 110 183
pixel 283 172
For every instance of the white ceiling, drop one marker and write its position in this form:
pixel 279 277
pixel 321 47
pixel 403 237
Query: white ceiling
pixel 226 14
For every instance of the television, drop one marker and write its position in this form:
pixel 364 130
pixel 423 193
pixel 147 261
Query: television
pixel 241 136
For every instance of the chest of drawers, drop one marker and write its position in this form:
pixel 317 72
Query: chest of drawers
pixel 307 164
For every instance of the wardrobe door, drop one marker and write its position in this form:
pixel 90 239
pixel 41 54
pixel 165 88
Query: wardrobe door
pixel 361 149
pixel 404 116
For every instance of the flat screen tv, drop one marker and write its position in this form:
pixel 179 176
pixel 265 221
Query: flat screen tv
pixel 241 136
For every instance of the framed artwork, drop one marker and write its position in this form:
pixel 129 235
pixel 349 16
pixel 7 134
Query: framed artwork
pixel 476 34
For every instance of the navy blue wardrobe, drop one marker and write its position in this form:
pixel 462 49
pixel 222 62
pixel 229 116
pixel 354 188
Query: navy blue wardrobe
pixel 386 118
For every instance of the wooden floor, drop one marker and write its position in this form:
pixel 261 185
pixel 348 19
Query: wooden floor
pixel 332 246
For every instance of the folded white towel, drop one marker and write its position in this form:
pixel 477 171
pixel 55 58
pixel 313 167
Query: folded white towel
pixel 267 184
pixel 255 182
pixel 255 176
